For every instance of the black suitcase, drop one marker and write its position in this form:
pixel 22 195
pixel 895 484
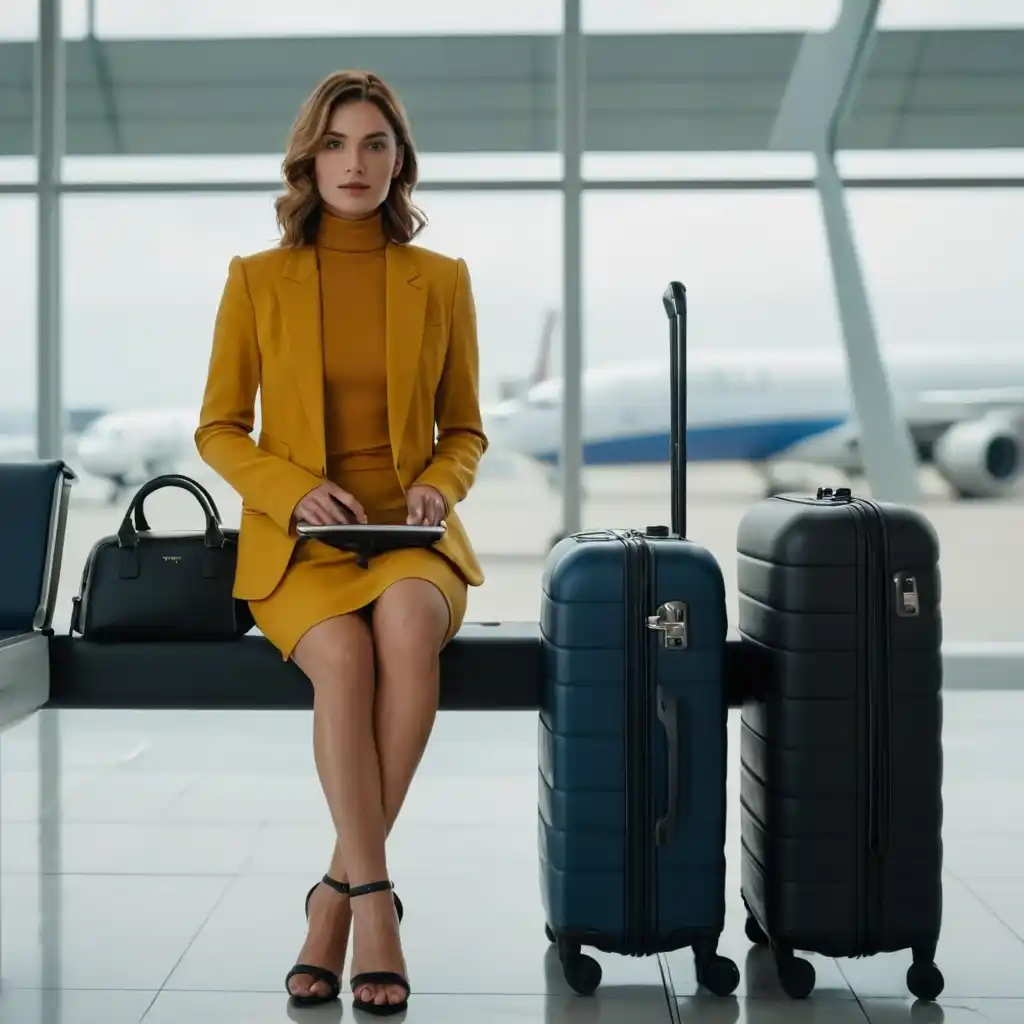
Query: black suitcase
pixel 841 788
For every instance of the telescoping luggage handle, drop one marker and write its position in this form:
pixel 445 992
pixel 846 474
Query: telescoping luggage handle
pixel 668 705
pixel 675 308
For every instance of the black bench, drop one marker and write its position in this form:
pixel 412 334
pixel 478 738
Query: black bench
pixel 486 667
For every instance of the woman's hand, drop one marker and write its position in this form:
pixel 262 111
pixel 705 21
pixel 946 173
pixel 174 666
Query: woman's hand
pixel 329 504
pixel 426 505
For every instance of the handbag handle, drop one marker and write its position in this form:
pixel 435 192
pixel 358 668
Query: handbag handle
pixel 128 535
pixel 142 523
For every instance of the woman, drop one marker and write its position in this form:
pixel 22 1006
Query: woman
pixel 359 343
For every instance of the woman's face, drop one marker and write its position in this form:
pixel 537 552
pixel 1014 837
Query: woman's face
pixel 357 160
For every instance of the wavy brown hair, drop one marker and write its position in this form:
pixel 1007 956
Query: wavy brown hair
pixel 300 208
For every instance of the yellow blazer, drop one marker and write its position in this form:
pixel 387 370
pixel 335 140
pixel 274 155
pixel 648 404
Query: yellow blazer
pixel 267 336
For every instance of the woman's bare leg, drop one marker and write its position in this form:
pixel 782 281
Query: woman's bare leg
pixel 410 622
pixel 338 658
pixel 403 720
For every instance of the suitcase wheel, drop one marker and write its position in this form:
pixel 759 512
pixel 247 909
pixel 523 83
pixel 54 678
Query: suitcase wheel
pixel 718 974
pixel 754 932
pixel 796 976
pixel 583 973
pixel 925 981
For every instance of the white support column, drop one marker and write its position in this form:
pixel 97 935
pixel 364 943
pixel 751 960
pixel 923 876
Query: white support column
pixel 571 112
pixel 825 76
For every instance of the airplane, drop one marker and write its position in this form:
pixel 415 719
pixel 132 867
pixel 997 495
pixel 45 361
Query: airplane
pixel 964 408
pixel 129 447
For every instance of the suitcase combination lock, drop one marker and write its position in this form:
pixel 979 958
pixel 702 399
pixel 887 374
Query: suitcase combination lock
pixel 908 603
pixel 671 620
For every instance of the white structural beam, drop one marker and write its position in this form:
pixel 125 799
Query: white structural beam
pixel 572 79
pixel 824 78
pixel 914 183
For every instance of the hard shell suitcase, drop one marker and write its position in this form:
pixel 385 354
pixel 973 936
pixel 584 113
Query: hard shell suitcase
pixel 841 743
pixel 632 736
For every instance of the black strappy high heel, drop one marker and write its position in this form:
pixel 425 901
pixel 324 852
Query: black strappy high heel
pixel 315 972
pixel 321 973
pixel 378 977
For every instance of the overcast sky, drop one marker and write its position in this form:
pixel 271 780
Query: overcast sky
pixel 143 274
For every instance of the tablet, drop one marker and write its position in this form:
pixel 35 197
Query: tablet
pixel 367 540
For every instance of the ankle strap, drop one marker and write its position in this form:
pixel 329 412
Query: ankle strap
pixel 342 887
pixel 365 890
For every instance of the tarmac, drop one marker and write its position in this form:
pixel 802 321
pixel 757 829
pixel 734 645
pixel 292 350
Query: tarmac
pixel 512 513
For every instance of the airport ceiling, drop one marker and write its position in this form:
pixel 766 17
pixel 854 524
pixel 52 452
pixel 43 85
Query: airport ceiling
pixel 699 92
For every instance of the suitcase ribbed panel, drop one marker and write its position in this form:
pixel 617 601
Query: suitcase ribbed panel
pixel 808 771
pixel 584 777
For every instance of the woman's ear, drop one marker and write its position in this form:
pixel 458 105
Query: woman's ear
pixel 399 161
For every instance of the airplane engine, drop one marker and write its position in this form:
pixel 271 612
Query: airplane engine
pixel 981 458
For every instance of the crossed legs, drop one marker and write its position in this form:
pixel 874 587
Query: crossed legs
pixel 375 689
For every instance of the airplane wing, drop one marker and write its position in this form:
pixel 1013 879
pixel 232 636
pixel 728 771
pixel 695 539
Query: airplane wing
pixel 973 437
pixel 931 412
pixel 950 405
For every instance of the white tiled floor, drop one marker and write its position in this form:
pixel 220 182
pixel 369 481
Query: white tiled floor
pixel 163 879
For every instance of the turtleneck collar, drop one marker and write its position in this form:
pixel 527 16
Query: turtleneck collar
pixel 351 235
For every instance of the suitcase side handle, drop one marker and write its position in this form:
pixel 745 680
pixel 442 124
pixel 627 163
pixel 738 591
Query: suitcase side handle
pixel 674 301
pixel 668 715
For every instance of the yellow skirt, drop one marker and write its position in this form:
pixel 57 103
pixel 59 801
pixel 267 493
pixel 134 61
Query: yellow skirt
pixel 322 582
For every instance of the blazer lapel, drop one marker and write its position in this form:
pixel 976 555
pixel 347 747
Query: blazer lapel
pixel 300 308
pixel 406 311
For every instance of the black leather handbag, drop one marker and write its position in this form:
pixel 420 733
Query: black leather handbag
pixel 142 585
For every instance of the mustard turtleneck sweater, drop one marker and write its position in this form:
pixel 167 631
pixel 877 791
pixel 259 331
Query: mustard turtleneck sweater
pixel 353 308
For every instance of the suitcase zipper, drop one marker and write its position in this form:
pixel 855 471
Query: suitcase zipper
pixel 638 703
pixel 872 525
pixel 873 539
pixel 883 763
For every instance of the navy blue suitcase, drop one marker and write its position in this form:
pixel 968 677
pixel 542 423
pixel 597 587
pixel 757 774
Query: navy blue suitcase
pixel 632 736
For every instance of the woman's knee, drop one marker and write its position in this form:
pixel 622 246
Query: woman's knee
pixel 337 651
pixel 411 615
